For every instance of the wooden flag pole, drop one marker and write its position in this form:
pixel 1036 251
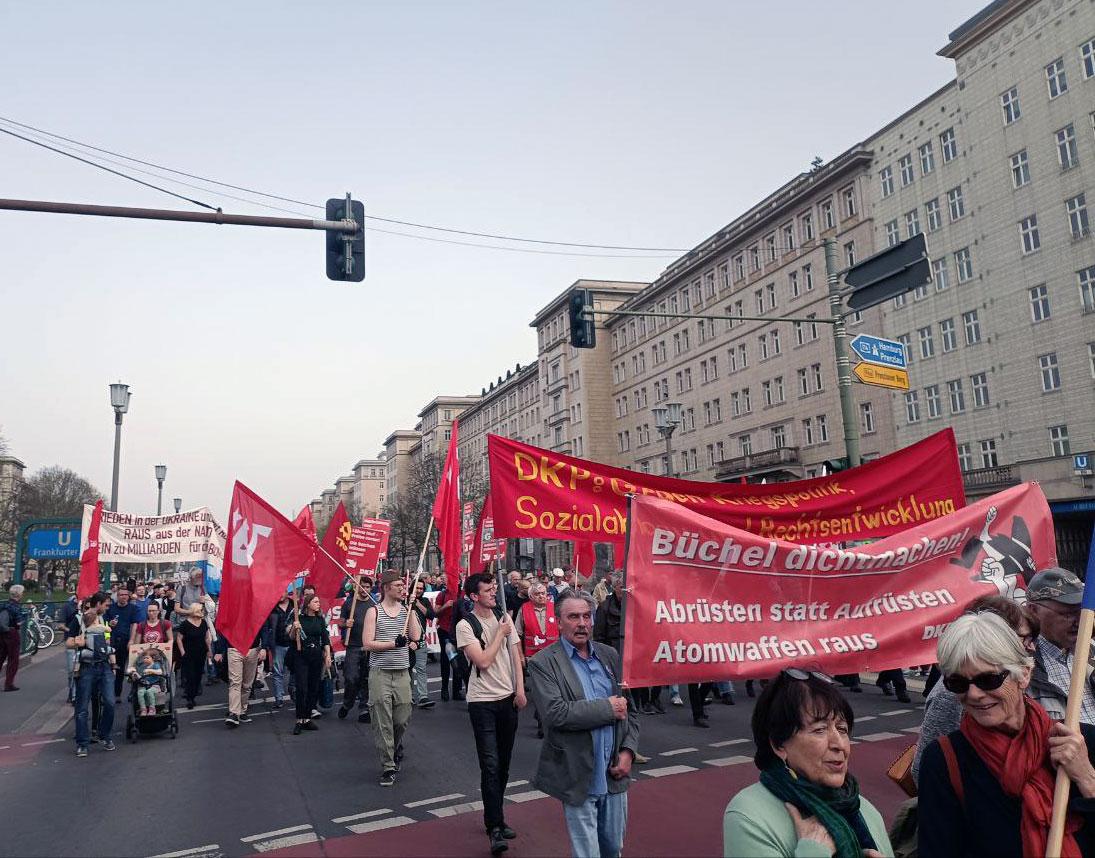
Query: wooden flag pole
pixel 1072 721
pixel 296 616
pixel 339 565
pixel 417 575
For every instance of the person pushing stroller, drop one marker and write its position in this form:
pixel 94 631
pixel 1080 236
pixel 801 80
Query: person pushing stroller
pixel 150 678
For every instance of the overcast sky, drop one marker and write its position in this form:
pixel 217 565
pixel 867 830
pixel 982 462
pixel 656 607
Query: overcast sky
pixel 627 123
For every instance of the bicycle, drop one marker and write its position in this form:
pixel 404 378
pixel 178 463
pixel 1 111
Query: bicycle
pixel 43 624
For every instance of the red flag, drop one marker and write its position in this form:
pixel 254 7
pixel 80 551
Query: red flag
pixel 446 514
pixel 265 552
pixel 306 523
pixel 89 559
pixel 328 574
pixel 585 556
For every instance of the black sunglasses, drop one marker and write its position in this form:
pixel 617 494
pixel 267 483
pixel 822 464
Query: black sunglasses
pixel 957 684
pixel 803 675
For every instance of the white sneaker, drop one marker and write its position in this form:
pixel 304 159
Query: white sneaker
pixel 676 700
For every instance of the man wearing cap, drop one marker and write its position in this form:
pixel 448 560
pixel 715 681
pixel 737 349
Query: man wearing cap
pixel 558 584
pixel 1053 597
pixel 386 634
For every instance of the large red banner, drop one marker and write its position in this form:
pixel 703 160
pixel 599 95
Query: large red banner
pixel 540 493
pixel 368 544
pixel 708 601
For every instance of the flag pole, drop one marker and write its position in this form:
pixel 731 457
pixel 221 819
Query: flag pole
pixel 1075 699
pixel 296 616
pixel 417 575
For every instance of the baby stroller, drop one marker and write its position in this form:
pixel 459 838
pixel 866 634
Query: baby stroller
pixel 163 718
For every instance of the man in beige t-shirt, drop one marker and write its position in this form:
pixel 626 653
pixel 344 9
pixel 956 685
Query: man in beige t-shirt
pixel 496 691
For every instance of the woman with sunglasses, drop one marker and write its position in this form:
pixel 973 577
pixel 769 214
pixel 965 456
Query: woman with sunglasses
pixel 943 709
pixel 807 802
pixel 987 788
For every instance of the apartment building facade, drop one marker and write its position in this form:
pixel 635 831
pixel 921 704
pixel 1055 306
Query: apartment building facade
pixel 511 407
pixel 758 399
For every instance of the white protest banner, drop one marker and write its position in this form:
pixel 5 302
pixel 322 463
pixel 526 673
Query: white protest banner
pixel 183 537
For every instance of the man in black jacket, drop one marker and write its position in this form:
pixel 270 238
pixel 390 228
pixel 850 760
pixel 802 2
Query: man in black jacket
pixel 355 667
pixel 279 621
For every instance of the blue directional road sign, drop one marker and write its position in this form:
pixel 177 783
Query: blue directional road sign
pixel 876 350
pixel 54 544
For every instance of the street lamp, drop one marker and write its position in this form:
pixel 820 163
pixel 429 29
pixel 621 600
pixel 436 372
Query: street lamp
pixel 119 400
pixel 178 505
pixel 666 419
pixel 161 475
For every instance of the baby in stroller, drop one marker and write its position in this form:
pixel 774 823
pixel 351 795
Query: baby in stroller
pixel 150 678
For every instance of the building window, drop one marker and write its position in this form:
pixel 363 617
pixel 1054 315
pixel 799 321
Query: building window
pixel 1009 103
pixel 935 219
pixel 957 203
pixel 822 428
pixel 948 335
pixel 963 262
pixel 815 370
pixel 807 227
pixel 957 396
pixel 1050 371
pixel 792 283
pixel 927 158
pixel 762 341
pixel 940 274
pixel 775 341
pixel 788 238
pixel 770 247
pixel 893 233
pixel 847 197
pixel 803 382
pixel 912 406
pixel 758 301
pixel 965 457
pixel 1087 58
pixel 920 292
pixel 743 356
pixel 912 224
pixel 779 437
pixel 905 164
pixel 1067 154
pixel 935 404
pixel 770 292
pixel 709 285
pixel 927 342
pixel 988 453
pixel 1058 441
pixel 754 258
pixel 827 216
pixel 745 445
pixel 808 277
pixel 739 266
pixel 724 276
pixel 906 344
pixel 949 143
pixel 1029 239
pixel 866 417
pixel 1086 280
pixel 1039 303
pixel 1091 358
pixel 849 254
pixel 1076 208
pixel 766 389
pixel 980 383
pixel 1056 82
pixel 971 324
pixel 1020 169
pixel 808 431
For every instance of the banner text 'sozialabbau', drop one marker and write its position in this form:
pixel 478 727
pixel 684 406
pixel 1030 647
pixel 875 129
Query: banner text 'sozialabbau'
pixel 538 493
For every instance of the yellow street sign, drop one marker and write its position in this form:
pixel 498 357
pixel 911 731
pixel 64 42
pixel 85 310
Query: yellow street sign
pixel 882 376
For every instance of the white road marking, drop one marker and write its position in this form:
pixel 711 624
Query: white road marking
pixel 453 810
pixel 285 842
pixel 727 761
pixel 531 795
pixel 895 712
pixel 879 737
pixel 366 815
pixel 4 747
pixel 677 751
pixel 43 742
pixel 253 837
pixel 211 720
pixel 182 853
pixel 861 718
pixel 911 730
pixel 424 801
pixel 513 784
pixel 380 824
pixel 668 770
pixel 728 742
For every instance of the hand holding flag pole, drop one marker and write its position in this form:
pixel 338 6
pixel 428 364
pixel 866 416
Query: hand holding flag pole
pixel 1075 699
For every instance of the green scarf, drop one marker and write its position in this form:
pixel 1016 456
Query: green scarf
pixel 836 809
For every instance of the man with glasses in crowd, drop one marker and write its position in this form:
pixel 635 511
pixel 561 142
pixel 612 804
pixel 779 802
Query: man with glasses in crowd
pixel 1053 597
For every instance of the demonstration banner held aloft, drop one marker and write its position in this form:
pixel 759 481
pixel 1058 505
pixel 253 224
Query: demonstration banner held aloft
pixel 538 493
pixel 708 601
pixel 368 545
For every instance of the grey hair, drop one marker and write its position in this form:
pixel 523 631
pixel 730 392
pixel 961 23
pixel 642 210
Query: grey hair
pixel 537 586
pixel 16 591
pixel 984 636
pixel 571 593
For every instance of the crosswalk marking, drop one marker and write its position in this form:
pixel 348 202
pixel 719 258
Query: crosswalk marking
pixel 677 751
pixel 189 853
pixel 366 815
pixel 668 770
pixel 513 784
pixel 380 824
pixel 251 838
pixel 895 712
pixel 454 809
pixel 531 795
pixel 424 801
pixel 879 737
pixel 728 761
pixel 726 743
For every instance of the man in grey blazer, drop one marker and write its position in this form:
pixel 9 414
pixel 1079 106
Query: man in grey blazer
pixel 592 738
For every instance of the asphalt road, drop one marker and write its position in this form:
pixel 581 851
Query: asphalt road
pixel 258 788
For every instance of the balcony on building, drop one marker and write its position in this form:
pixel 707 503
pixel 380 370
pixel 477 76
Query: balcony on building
pixel 985 481
pixel 560 416
pixel 777 465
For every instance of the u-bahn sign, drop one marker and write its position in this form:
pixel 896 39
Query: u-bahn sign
pixel 53 544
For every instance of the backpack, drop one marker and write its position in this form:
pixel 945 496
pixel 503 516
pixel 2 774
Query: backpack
pixel 477 627
pixel 97 649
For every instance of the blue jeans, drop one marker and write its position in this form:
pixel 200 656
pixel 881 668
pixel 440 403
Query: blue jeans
pixel 596 827
pixel 279 672
pixel 94 679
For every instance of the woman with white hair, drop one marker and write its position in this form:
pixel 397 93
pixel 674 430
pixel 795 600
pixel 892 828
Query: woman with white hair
pixel 987 788
pixel 11 621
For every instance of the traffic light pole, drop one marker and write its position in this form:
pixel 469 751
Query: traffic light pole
pixel 840 349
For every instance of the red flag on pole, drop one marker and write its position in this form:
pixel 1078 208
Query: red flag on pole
pixel 265 552
pixel 89 559
pixel 446 514
pixel 585 556
pixel 328 574
pixel 306 523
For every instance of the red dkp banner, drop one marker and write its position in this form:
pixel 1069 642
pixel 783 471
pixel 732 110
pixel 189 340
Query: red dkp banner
pixel 536 492
pixel 709 601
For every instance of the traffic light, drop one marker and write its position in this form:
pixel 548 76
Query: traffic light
pixel 833 466
pixel 346 251
pixel 583 334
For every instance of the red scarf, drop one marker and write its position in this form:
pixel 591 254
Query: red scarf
pixel 1020 764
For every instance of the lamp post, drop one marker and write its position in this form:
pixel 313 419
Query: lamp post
pixel 666 419
pixel 119 401
pixel 178 505
pixel 161 475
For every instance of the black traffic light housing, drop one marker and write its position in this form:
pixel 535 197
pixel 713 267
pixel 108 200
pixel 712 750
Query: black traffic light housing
pixel 346 251
pixel 583 334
